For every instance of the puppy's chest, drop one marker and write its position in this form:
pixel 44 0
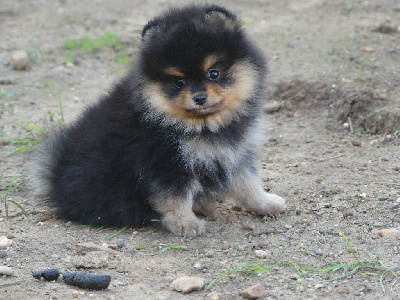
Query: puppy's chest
pixel 205 155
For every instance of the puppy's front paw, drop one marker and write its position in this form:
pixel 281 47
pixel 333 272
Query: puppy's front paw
pixel 275 205
pixel 188 226
pixel 270 205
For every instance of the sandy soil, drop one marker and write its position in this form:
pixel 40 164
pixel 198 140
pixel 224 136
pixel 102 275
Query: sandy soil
pixel 332 151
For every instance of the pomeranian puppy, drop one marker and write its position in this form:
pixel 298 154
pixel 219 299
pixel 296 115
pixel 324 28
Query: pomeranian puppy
pixel 177 132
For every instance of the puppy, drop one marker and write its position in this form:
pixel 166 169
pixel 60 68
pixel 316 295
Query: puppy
pixel 177 132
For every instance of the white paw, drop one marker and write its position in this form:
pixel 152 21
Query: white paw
pixel 188 226
pixel 272 205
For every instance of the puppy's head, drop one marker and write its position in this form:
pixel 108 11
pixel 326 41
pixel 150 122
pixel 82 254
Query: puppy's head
pixel 199 68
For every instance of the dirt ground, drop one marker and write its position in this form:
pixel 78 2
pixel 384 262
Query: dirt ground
pixel 332 151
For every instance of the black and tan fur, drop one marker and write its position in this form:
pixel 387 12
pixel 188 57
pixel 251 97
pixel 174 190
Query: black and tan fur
pixel 177 132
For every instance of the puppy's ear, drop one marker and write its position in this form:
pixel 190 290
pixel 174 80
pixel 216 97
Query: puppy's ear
pixel 150 29
pixel 215 13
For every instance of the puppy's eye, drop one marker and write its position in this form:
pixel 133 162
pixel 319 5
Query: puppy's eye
pixel 213 74
pixel 179 83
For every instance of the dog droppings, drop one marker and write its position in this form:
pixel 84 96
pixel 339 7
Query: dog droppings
pixel 87 281
pixel 48 275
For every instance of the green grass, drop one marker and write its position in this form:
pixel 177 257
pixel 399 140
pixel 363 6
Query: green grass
pixel 10 183
pixel 32 134
pixel 328 271
pixel 88 46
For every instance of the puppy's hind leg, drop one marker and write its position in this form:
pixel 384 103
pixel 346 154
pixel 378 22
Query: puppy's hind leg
pixel 177 215
pixel 248 191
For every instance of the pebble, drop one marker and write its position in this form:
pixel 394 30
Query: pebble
pixel 343 290
pixel 5 242
pixel 19 60
pixel 212 296
pixel 249 227
pixel 187 284
pixel 261 253
pixel 272 107
pixel 300 288
pixel 363 195
pixel 319 286
pixel 389 233
pixel 3 254
pixel 197 266
pixel 254 291
pixel 386 28
pixel 294 276
pixel 210 254
pixel 6 271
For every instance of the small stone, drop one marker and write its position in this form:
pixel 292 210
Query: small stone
pixel 384 198
pixel 69 64
pixel 6 271
pixel 348 215
pixel 389 233
pixel 254 291
pixel 272 107
pixel 3 254
pixel 187 284
pixel 75 294
pixel 300 288
pixel 261 253
pixel 248 226
pixel 319 286
pixel 120 244
pixel 386 28
pixel 294 276
pixel 19 60
pixel 368 49
pixel 5 242
pixel 343 290
pixel 210 254
pixel 363 195
pixel 212 296
pixel 197 266
pixel 296 164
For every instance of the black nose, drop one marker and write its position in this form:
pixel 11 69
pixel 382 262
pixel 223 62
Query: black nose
pixel 200 99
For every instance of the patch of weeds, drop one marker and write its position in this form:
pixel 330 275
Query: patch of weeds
pixel 36 55
pixel 30 137
pixel 123 58
pixel 339 270
pixel 88 45
pixel 10 183
pixel 330 270
pixel 249 267
pixel 32 134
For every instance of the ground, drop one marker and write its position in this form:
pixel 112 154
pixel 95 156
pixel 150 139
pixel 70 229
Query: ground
pixel 332 151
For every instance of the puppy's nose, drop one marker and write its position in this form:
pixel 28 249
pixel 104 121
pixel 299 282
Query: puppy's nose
pixel 200 99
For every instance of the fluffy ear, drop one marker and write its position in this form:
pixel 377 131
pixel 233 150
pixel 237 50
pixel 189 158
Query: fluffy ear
pixel 217 13
pixel 150 29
